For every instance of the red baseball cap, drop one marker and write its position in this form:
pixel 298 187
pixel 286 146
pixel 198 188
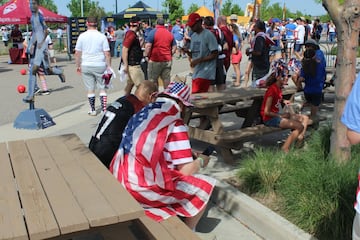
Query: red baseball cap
pixel 193 18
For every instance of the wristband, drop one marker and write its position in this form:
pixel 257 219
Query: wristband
pixel 201 162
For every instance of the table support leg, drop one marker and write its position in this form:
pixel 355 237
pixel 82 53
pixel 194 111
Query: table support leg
pixel 227 155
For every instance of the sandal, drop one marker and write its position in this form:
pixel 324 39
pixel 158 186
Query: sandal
pixel 236 85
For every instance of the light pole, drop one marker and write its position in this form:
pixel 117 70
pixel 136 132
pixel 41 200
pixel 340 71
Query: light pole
pixel 116 10
pixel 82 7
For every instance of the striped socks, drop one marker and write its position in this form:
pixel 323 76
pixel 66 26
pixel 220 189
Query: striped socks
pixel 91 98
pixel 103 101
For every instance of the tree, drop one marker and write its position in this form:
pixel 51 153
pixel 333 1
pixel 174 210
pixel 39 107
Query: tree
pixel 193 8
pixel 228 8
pixel 90 8
pixel 49 4
pixel 175 9
pixel 273 11
pixel 345 14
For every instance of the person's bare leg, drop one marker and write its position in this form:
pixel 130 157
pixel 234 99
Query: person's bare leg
pixel 191 222
pixel 247 73
pixel 297 128
pixel 128 88
pixel 313 112
pixel 304 121
pixel 291 138
pixel 221 87
pixel 237 72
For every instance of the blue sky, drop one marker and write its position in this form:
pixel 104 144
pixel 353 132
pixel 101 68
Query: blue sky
pixel 308 6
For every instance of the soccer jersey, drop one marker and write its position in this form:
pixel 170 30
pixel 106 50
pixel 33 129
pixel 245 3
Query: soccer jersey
pixel 108 135
pixel 154 142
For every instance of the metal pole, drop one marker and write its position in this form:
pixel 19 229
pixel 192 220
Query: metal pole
pixel 82 7
pixel 116 10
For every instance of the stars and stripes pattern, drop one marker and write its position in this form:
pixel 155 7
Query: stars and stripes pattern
pixel 154 142
pixel 180 91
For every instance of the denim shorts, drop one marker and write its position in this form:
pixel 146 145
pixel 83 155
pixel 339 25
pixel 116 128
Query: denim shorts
pixel 273 122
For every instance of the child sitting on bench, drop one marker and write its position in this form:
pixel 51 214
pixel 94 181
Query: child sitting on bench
pixel 270 108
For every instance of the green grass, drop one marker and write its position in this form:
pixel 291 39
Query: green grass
pixel 313 191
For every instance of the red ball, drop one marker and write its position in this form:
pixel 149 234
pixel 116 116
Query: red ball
pixel 23 71
pixel 21 88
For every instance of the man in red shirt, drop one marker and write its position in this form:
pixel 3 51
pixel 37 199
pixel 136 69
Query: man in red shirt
pixel 222 24
pixel 160 46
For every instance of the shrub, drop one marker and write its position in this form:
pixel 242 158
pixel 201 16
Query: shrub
pixel 313 191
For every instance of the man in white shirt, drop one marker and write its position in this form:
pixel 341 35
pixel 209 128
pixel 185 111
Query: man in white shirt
pixel 92 58
pixel 299 37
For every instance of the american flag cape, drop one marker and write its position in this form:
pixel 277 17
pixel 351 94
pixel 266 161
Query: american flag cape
pixel 154 142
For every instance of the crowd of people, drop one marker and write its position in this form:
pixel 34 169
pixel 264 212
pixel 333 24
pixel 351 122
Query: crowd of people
pixel 142 137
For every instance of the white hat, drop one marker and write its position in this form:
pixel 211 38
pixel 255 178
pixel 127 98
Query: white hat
pixel 233 17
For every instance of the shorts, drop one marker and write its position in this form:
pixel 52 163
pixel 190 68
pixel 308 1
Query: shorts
pixel 159 69
pixel 136 75
pixel 92 77
pixel 297 47
pixel 314 98
pixel 220 74
pixel 236 58
pixel 179 43
pixel 200 85
pixel 51 53
pixel 273 122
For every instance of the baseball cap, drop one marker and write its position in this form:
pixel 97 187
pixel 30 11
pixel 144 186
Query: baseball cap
pixel 193 18
pixel 233 17
pixel 179 90
pixel 312 42
pixel 275 20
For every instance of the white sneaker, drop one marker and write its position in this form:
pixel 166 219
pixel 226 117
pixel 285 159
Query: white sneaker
pixel 92 113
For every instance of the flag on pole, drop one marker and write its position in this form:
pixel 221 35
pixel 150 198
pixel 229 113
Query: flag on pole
pixel 284 12
pixel 216 8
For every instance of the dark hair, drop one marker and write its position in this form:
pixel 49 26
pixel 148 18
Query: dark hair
pixel 260 25
pixel 209 21
pixel 271 79
pixel 309 62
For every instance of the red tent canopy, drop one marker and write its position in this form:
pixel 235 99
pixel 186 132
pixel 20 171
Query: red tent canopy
pixel 18 12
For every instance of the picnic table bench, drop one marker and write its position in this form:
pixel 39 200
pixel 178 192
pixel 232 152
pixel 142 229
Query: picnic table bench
pixel 56 188
pixel 244 102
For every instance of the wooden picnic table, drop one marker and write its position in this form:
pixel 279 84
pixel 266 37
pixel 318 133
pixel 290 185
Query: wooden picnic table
pixel 56 188
pixel 245 102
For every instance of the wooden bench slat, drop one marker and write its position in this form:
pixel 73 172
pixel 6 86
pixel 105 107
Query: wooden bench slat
pixel 40 220
pixel 228 108
pixel 12 225
pixel 153 229
pixel 82 186
pixel 106 183
pixel 68 213
pixel 171 228
pixel 242 133
pixel 178 229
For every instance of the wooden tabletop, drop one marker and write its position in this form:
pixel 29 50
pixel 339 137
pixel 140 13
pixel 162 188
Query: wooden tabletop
pixel 231 96
pixel 55 186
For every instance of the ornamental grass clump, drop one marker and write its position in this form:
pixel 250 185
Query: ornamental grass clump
pixel 312 190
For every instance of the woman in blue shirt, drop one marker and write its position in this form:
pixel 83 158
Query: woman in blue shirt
pixel 313 74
